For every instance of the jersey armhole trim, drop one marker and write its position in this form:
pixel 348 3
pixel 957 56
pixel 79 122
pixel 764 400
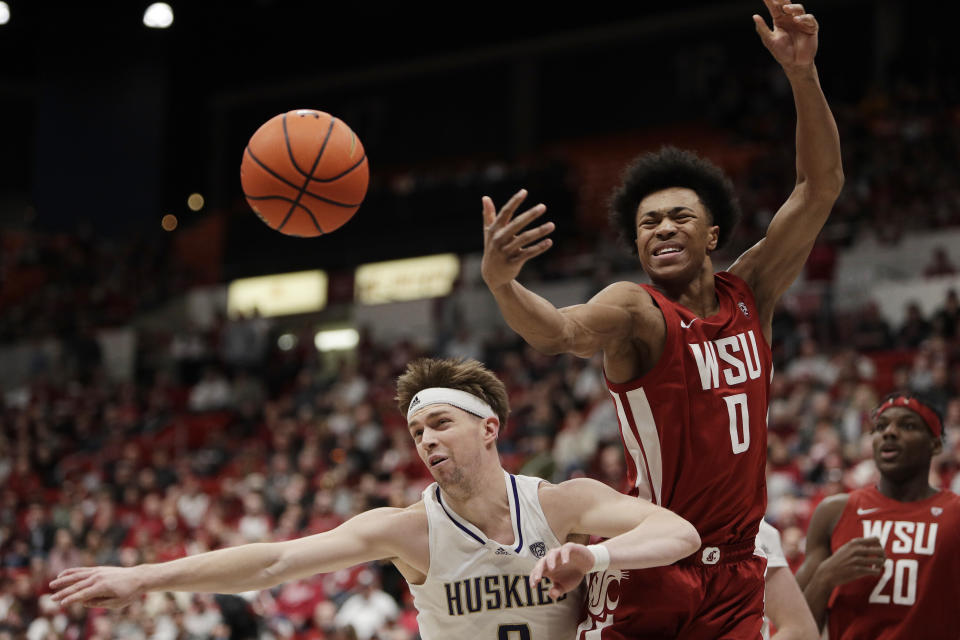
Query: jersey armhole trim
pixel 671 335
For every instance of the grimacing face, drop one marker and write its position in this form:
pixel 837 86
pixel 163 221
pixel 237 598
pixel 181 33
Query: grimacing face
pixel 674 234
pixel 903 443
pixel 449 440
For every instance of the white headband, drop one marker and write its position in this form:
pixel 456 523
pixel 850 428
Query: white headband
pixel 460 399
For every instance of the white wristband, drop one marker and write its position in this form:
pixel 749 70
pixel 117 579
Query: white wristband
pixel 601 557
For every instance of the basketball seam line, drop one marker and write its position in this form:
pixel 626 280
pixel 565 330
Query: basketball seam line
pixel 353 144
pixel 294 186
pixel 286 139
pixel 343 173
pixel 282 198
pixel 316 161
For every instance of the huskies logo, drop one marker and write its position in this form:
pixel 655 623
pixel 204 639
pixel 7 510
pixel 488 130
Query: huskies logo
pixel 538 549
pixel 743 309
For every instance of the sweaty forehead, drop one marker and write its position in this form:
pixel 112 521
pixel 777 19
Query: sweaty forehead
pixel 667 199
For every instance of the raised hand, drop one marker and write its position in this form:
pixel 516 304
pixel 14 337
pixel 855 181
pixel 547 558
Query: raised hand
pixel 857 558
pixel 793 39
pixel 506 247
pixel 565 566
pixel 111 587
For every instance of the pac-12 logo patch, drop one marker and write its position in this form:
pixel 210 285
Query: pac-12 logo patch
pixel 743 309
pixel 538 549
pixel 936 510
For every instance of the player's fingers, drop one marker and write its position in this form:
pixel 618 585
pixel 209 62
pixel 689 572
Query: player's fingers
pixel 524 219
pixel 535 250
pixel 88 590
pixel 537 574
pixel 551 560
pixel 506 212
pixel 489 211
pixel 68 591
pixel 762 29
pixel 565 553
pixel 793 9
pixel 527 237
pixel 807 23
pixel 68 576
pixel 63 581
pixel 555 592
pixel 773 7
pixel 871 569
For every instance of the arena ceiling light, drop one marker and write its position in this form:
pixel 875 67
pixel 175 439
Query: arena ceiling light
pixel 158 15
pixel 4 13
pixel 336 339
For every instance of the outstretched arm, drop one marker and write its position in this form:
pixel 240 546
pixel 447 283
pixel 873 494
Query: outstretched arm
pixel 772 265
pixel 609 321
pixel 248 567
pixel 822 571
pixel 641 534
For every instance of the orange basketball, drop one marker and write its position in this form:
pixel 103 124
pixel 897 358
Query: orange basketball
pixel 304 172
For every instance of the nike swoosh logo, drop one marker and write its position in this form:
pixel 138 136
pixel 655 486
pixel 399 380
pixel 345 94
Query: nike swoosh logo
pixel 687 325
pixel 863 512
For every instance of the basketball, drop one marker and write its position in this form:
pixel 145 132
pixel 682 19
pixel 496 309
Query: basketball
pixel 304 173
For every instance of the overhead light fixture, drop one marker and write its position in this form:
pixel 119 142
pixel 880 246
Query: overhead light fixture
pixel 4 13
pixel 336 339
pixel 158 15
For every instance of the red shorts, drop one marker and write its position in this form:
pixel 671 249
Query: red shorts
pixel 686 601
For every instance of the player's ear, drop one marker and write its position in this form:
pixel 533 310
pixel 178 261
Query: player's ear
pixel 937 446
pixel 491 429
pixel 713 237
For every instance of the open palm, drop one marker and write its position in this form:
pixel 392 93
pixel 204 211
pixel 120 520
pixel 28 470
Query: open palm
pixel 793 39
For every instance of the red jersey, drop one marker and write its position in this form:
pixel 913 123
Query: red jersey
pixel 917 594
pixel 695 426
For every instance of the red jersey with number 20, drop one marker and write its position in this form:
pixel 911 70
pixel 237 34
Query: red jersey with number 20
pixel 918 592
pixel 694 427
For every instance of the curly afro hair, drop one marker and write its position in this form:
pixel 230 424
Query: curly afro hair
pixel 672 167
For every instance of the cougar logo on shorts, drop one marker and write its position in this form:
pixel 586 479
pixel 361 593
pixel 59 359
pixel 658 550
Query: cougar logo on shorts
pixel 538 549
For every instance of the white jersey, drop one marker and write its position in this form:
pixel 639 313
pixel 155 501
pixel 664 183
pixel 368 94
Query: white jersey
pixel 768 540
pixel 478 588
